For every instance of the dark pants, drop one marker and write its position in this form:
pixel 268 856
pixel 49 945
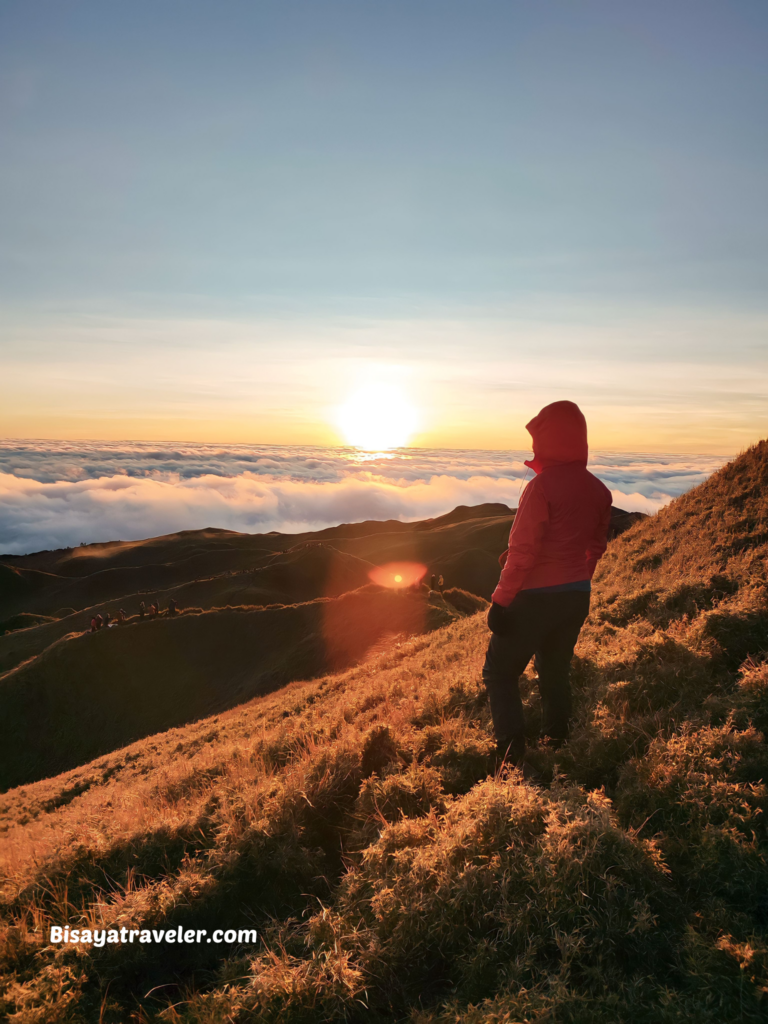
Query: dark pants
pixel 545 626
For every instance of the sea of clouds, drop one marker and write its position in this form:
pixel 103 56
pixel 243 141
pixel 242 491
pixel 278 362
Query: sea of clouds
pixel 59 494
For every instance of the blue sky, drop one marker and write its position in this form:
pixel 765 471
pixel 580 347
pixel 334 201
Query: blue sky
pixel 218 218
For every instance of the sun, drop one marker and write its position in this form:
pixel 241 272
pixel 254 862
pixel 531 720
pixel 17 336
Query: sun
pixel 377 416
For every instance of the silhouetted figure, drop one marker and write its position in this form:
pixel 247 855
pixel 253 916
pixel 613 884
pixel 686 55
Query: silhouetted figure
pixel 432 582
pixel 121 616
pixel 99 622
pixel 94 625
pixel 142 610
pixel 542 598
pixel 440 584
pixel 107 618
pixel 153 611
pixel 172 607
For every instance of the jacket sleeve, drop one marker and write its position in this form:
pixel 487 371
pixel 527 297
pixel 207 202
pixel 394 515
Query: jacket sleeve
pixel 524 542
pixel 599 541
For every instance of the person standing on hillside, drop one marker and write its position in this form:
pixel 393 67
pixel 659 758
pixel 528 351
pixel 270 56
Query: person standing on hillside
pixel 542 598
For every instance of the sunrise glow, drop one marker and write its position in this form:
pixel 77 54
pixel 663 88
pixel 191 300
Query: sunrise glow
pixel 376 417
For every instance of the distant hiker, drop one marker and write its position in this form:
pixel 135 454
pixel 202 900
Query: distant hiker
pixel 153 611
pixel 142 610
pixel 542 598
pixel 432 582
pixel 440 584
pixel 94 626
pixel 107 618
pixel 172 607
pixel 99 622
pixel 121 615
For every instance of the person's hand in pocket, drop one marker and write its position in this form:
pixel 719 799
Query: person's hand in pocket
pixel 497 619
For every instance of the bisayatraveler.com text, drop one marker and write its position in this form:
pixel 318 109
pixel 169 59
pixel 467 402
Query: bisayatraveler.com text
pixel 103 936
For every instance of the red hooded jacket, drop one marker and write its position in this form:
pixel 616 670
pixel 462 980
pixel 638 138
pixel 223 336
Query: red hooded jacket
pixel 561 527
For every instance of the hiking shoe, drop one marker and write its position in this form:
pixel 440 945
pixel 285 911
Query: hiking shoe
pixel 531 774
pixel 511 752
pixel 550 742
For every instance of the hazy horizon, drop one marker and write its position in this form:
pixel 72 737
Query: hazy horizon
pixel 61 494
pixel 356 450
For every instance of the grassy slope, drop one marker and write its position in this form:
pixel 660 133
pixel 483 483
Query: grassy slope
pixel 285 578
pixel 90 693
pixel 352 820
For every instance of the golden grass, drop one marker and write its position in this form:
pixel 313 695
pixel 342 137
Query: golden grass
pixel 356 821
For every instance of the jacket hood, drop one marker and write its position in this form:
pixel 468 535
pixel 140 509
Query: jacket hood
pixel 559 434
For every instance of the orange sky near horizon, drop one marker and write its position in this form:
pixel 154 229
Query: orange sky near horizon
pixel 663 384
pixel 683 437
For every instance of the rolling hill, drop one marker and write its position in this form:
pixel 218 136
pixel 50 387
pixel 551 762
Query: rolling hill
pixel 276 567
pixel 257 619
pixel 90 693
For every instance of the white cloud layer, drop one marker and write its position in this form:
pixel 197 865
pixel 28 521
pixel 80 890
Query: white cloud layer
pixel 57 494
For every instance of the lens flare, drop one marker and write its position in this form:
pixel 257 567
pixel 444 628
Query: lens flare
pixel 398 575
